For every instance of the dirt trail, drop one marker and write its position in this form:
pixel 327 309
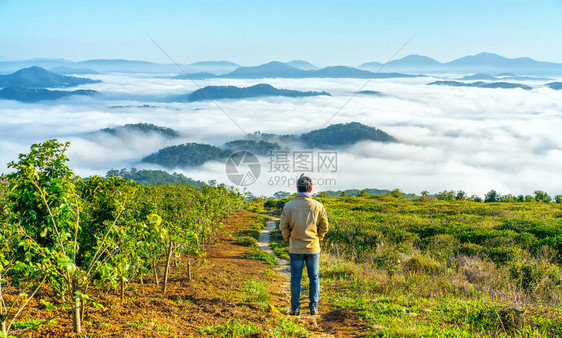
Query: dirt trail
pixel 215 297
pixel 284 269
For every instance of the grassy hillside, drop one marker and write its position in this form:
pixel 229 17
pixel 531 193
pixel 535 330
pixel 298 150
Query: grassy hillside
pixel 423 266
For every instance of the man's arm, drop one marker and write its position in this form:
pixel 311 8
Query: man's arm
pixel 284 226
pixel 322 225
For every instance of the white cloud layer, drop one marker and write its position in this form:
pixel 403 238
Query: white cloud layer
pixel 451 138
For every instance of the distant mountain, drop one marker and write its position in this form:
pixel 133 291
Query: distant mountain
pixel 71 71
pixel 480 84
pixel 336 135
pixel 344 134
pixel 215 64
pixel 490 62
pixel 409 63
pixel 479 63
pixel 196 76
pixel 30 95
pixel 301 64
pixel 37 77
pixel 233 92
pixel 272 69
pixel 155 177
pixel 281 70
pixel 144 128
pixel 370 92
pixel 504 77
pixel 555 85
pixel 479 76
pixel 186 155
pixel 414 60
pixel 256 147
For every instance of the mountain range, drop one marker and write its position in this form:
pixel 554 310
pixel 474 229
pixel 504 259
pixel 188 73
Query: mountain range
pixel 233 92
pixel 29 95
pixel 481 84
pixel 479 63
pixel 277 69
pixel 412 64
pixel 37 77
pixel 331 137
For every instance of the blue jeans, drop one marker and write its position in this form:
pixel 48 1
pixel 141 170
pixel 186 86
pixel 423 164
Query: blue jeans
pixel 297 265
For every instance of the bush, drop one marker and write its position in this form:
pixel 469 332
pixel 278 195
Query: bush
pixel 471 249
pixel 246 241
pixel 387 258
pixel 530 275
pixel 443 246
pixel 422 264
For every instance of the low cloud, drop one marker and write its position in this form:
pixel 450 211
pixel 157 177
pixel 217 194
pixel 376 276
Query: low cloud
pixel 451 138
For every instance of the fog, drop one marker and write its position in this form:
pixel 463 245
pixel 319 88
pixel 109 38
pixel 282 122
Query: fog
pixel 450 138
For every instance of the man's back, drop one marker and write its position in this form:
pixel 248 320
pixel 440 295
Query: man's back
pixel 304 223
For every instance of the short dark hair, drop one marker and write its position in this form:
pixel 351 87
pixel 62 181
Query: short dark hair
pixel 304 184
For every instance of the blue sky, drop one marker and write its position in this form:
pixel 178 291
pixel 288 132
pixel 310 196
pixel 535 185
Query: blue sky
pixel 251 32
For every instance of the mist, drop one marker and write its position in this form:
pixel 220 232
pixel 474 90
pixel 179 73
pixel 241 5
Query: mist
pixel 450 138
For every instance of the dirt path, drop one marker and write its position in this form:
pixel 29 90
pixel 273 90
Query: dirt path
pixel 329 319
pixel 220 299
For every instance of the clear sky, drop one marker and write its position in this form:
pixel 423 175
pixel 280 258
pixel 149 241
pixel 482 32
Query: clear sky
pixel 249 32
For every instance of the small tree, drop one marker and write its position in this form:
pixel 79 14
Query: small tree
pixel 558 198
pixel 461 195
pixel 44 200
pixel 491 196
pixel 541 196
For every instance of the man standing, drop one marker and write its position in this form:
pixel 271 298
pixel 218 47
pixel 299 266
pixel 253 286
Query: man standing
pixel 304 224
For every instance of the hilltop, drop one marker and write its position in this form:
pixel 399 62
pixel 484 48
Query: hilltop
pixel 233 92
pixel 333 136
pixel 37 77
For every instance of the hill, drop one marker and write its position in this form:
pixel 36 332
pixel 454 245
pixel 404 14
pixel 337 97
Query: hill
pixel 344 134
pixel 30 95
pixel 145 128
pixel 333 136
pixel 155 177
pixel 479 63
pixel 256 147
pixel 300 70
pixel 68 70
pixel 301 64
pixel 480 84
pixel 186 155
pixel 272 69
pixel 370 92
pixel 37 77
pixel 233 92
pixel 555 85
pixel 195 76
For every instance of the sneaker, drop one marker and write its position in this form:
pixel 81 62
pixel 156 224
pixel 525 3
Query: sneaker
pixel 313 311
pixel 295 312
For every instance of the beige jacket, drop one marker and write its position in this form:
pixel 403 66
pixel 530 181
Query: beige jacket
pixel 304 223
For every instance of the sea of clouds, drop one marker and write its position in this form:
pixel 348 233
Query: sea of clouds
pixel 450 138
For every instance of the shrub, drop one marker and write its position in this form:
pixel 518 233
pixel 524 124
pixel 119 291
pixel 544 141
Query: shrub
pixel 387 258
pixel 422 264
pixel 471 249
pixel 246 240
pixel 443 246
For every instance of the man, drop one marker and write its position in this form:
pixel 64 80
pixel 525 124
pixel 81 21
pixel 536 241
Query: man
pixel 304 224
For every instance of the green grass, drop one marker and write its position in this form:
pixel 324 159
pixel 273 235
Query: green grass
pixel 255 290
pixel 232 329
pixel 278 244
pixel 258 254
pixel 429 267
pixel 289 328
pixel 162 329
